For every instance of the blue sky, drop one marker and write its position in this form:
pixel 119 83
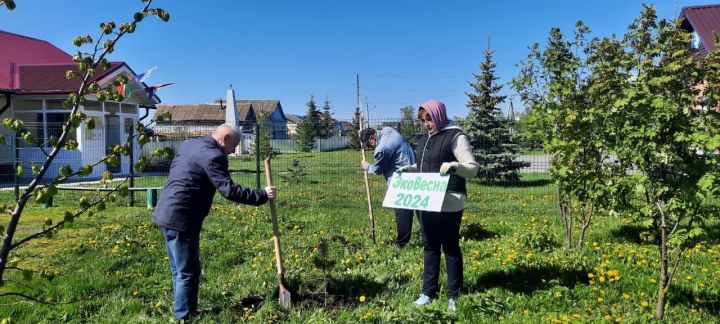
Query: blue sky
pixel 405 51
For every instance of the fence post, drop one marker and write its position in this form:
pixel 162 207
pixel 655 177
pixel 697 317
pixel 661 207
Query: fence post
pixel 151 197
pixel 132 164
pixel 257 154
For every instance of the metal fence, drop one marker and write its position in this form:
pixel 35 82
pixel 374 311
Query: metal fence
pixel 332 163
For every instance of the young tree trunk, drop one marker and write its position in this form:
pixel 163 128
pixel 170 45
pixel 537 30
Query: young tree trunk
pixel 566 217
pixel 585 223
pixel 663 284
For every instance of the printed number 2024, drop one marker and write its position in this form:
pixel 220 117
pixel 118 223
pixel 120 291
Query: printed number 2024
pixel 412 201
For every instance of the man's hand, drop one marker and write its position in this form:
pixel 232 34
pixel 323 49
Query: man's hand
pixel 271 192
pixel 365 165
pixel 448 168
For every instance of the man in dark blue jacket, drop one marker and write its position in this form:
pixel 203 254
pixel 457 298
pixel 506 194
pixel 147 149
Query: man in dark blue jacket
pixel 199 168
pixel 392 152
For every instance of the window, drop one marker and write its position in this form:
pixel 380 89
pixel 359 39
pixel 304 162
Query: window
pixel 696 41
pixel 55 104
pixel 24 104
pixel 93 105
pixel 55 122
pixel 34 124
pixel 129 109
pixel 112 107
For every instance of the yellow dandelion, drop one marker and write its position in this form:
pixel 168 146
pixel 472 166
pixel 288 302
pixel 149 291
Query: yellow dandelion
pixel 607 318
pixel 362 299
pixel 645 304
pixel 600 300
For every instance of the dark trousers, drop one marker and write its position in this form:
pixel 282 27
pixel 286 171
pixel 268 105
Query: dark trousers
pixel 441 231
pixel 183 251
pixel 403 222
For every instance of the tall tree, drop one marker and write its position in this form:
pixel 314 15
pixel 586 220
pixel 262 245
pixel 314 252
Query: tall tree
pixel 554 84
pixel 309 130
pixel 326 120
pixel 495 144
pixel 654 87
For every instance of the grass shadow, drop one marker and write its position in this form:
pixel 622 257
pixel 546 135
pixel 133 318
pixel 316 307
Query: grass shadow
pixel 516 183
pixel 708 301
pixel 476 232
pixel 526 280
pixel 339 293
pixel 629 233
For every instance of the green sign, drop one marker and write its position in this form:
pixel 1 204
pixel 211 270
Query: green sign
pixel 422 191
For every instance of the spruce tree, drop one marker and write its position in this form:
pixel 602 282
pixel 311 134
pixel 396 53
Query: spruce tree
pixel 495 145
pixel 354 142
pixel 326 120
pixel 309 129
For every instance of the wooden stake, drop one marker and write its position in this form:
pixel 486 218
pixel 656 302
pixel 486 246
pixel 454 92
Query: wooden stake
pixel 284 295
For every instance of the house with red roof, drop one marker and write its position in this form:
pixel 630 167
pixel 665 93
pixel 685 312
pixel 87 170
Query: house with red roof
pixel 704 24
pixel 33 87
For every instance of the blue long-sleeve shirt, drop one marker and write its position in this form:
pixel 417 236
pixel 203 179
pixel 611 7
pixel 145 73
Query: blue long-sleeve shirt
pixel 200 167
pixel 391 153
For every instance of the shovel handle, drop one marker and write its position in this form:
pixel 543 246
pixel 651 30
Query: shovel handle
pixel 273 218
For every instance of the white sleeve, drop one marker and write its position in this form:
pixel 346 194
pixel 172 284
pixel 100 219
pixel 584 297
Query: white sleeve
pixel 467 167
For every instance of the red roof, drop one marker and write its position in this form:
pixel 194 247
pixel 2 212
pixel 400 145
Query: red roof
pixel 51 78
pixel 33 66
pixel 705 21
pixel 18 49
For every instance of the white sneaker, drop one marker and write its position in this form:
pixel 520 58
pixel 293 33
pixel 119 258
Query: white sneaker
pixel 452 304
pixel 422 300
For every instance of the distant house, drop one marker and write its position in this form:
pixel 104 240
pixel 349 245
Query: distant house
pixel 271 110
pixel 293 124
pixel 33 87
pixel 346 127
pixel 704 24
pixel 193 120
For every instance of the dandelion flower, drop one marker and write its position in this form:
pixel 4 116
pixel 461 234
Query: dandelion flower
pixel 362 298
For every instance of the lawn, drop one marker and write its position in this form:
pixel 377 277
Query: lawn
pixel 112 267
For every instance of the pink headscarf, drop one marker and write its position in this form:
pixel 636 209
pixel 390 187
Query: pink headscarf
pixel 436 109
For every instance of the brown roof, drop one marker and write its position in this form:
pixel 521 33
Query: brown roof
pixel 294 119
pixel 705 21
pixel 203 112
pixel 261 105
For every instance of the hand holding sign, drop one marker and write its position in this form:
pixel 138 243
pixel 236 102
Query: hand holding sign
pixel 448 168
pixel 422 191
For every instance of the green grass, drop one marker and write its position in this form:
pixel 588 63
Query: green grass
pixel 111 267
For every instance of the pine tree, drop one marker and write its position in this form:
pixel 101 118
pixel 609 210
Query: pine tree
pixel 495 145
pixel 354 142
pixel 326 120
pixel 309 130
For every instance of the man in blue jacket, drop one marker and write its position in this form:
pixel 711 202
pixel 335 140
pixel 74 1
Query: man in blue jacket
pixel 392 152
pixel 199 168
